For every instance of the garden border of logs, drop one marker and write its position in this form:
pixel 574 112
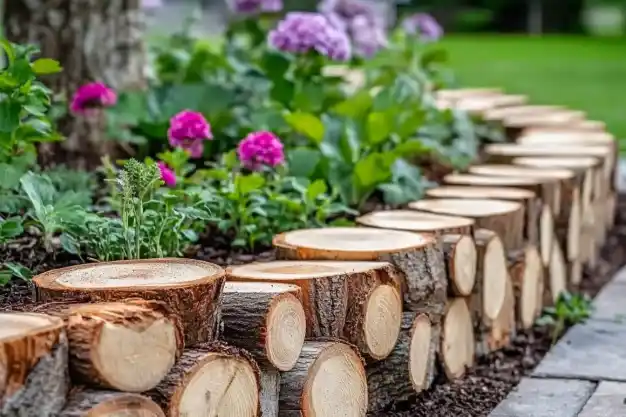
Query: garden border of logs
pixel 347 321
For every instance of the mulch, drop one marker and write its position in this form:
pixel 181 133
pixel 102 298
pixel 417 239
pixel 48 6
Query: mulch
pixel 475 395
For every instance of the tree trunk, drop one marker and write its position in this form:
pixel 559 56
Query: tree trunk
pixel 95 41
pixel 82 403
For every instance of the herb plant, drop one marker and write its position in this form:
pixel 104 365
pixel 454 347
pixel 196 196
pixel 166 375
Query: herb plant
pixel 569 309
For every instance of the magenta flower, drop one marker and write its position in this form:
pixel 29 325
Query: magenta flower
pixel 92 95
pixel 255 6
pixel 167 175
pixel 424 25
pixel 260 148
pixel 302 32
pixel 188 129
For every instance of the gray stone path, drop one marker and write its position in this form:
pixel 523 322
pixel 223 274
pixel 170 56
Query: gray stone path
pixel 584 375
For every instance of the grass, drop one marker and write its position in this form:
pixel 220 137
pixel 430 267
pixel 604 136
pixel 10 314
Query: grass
pixel 586 73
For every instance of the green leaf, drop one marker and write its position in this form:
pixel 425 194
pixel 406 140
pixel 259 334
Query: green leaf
pixel 306 124
pixel 10 228
pixel 5 277
pixel 69 244
pixel 355 106
pixel 283 91
pixel 374 169
pixel 303 161
pixel 316 189
pixel 19 270
pixel 39 190
pixel 9 115
pixel 245 184
pixel 46 66
pixel 378 128
pixel 412 148
pixel 9 176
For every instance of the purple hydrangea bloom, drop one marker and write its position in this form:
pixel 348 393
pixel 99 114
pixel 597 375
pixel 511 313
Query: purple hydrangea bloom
pixel 367 38
pixel 424 25
pixel 92 95
pixel 255 6
pixel 167 175
pixel 301 32
pixel 151 4
pixel 188 129
pixel 260 149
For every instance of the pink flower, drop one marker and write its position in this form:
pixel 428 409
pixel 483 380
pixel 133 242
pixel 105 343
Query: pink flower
pixel 167 175
pixel 260 148
pixel 92 95
pixel 188 129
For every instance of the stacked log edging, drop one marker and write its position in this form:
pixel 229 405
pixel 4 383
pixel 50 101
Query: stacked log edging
pixel 348 320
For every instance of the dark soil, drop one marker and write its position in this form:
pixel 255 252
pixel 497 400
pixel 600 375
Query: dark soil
pixel 484 386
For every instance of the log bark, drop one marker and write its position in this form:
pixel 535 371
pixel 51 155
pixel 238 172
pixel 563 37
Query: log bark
pixel 526 272
pixel 92 403
pixel 191 289
pixel 126 346
pixel 212 379
pixel 33 365
pixel 360 302
pixel 532 203
pixel 268 320
pixel 556 273
pixel 328 379
pixel 417 256
pixel 417 221
pixel 270 391
pixel 457 349
pixel 460 259
pixel 409 369
pixel 489 297
pixel 94 41
pixel 506 218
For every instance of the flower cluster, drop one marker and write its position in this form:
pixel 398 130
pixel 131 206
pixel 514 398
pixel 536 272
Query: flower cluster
pixel 260 149
pixel 423 24
pixel 302 32
pixel 255 6
pixel 364 24
pixel 92 95
pixel 188 130
pixel 167 175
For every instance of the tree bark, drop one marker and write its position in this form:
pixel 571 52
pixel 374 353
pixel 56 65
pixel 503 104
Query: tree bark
pixel 329 377
pixel 91 403
pixel 127 346
pixel 356 301
pixel 267 320
pixel 192 289
pixel 94 41
pixel 270 391
pixel 33 359
pixel 227 378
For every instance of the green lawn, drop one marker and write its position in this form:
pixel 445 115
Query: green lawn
pixel 583 73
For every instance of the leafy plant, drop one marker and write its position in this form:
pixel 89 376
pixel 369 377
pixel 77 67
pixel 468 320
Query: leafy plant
pixel 24 102
pixel 10 228
pixel 13 269
pixel 154 222
pixel 569 309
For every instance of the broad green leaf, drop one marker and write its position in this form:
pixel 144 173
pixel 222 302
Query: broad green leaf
pixel 69 244
pixel 9 176
pixel 309 97
pixel 374 169
pixel 378 128
pixel 46 66
pixel 302 161
pixel 10 228
pixel 355 106
pixel 9 115
pixel 247 183
pixel 316 189
pixel 19 270
pixel 412 147
pixel 283 91
pixel 307 124
pixel 39 190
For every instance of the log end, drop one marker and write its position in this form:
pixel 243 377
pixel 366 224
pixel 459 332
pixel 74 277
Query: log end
pixel 383 317
pixel 457 339
pixel 414 221
pixel 285 331
pixel 419 352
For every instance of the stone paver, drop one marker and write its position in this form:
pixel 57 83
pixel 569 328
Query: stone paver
pixel 591 351
pixel 545 398
pixel 610 303
pixel 606 401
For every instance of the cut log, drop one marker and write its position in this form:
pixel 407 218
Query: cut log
pixel 417 256
pixel 547 190
pixel 91 403
pixel 526 272
pixel 532 203
pixel 479 105
pixel 515 125
pixel 575 275
pixel 461 93
pixel 211 380
pixel 501 114
pixel 582 126
pixel 506 218
pixel 33 365
pixel 489 297
pixel 270 391
pixel 126 346
pixel 192 289
pixel 502 330
pixel 358 301
pixel 410 368
pixel 457 349
pixel 267 320
pixel 557 275
pixel 328 380
pixel 460 257
pixel 416 221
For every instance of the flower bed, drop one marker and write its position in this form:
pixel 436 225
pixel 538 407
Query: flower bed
pixel 265 142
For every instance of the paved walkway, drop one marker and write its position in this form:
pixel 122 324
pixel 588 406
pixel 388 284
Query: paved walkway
pixel 584 375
